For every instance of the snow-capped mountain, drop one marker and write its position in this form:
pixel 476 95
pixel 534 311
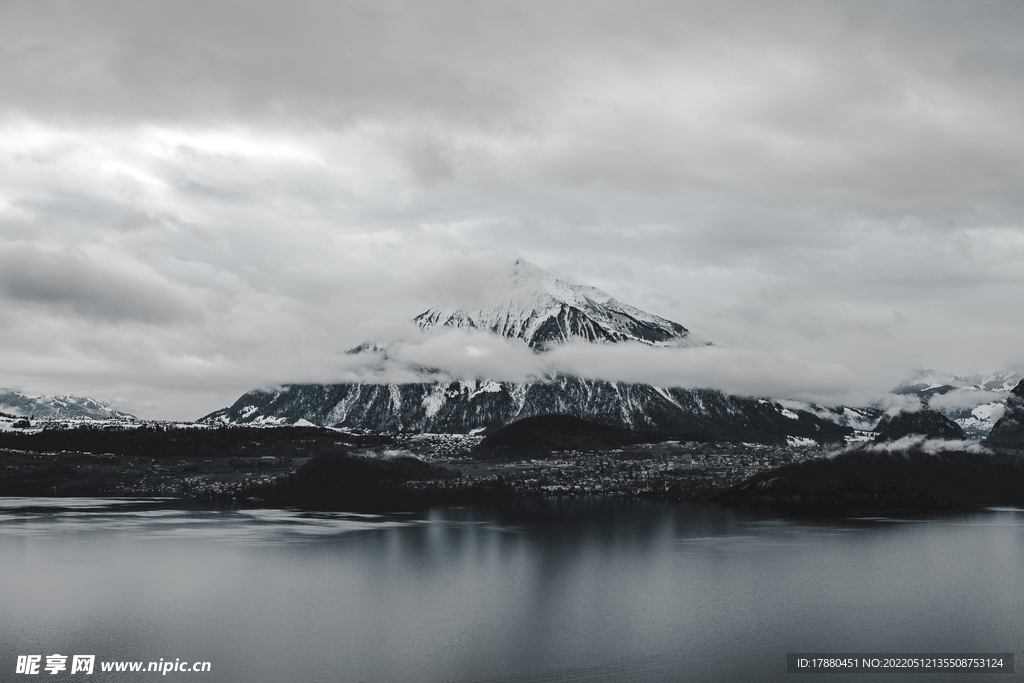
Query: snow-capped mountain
pixel 470 406
pixel 975 402
pixel 543 310
pixel 57 407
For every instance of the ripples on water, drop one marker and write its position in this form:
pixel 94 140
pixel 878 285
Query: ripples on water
pixel 542 591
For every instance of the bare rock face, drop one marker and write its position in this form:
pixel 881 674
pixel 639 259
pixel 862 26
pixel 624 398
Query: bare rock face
pixel 1009 431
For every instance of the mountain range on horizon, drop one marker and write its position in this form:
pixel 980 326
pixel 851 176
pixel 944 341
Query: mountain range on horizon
pixel 67 407
pixel 926 381
pixel 980 405
pixel 544 311
pixel 975 402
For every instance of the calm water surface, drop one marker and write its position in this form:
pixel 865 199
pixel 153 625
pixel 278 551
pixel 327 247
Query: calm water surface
pixel 548 591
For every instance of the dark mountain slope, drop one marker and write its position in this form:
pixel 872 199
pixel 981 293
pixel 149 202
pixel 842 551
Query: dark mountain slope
pixel 345 481
pixel 1009 430
pixel 928 423
pixel 537 437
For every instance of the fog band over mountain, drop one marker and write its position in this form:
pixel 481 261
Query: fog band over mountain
pixel 471 354
pixel 538 327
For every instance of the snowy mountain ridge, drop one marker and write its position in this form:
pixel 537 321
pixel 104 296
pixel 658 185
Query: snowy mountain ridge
pixel 926 380
pixel 543 310
pixel 473 406
pixel 68 407
pixel 975 402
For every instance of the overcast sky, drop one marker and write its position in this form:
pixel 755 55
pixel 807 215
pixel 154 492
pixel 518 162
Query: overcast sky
pixel 198 198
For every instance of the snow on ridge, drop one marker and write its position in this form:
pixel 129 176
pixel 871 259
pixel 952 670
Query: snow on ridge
pixel 975 402
pixel 542 309
pixel 57 407
pixel 926 379
pixel 858 419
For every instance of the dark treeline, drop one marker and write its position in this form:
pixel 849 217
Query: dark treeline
pixel 539 436
pixel 870 480
pixel 159 441
pixel 342 481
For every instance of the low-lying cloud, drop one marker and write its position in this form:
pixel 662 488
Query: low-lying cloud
pixel 735 371
pixel 894 404
pixel 923 443
pixel 965 399
pixel 470 354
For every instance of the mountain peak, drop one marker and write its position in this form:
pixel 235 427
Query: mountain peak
pixel 543 310
pixel 523 271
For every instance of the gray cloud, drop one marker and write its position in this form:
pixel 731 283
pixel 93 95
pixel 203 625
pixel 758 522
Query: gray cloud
pixel 894 404
pixel 102 286
pixel 265 184
pixel 735 371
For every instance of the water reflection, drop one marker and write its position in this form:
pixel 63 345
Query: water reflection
pixel 543 590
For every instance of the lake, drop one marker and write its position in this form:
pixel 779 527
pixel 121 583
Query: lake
pixel 546 590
